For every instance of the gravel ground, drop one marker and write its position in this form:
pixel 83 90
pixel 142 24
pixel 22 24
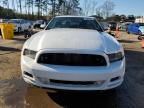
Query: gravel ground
pixel 14 93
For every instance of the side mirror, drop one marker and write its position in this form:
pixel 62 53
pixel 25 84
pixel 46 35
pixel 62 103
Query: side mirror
pixel 42 26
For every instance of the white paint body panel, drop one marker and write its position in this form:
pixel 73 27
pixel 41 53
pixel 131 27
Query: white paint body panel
pixel 73 41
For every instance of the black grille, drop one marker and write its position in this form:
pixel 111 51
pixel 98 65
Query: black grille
pixel 72 82
pixel 69 59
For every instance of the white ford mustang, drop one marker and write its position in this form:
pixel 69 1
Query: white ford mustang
pixel 73 53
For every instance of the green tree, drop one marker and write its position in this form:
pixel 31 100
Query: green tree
pixel 38 4
pixel 6 3
pixel 72 7
pixel 20 5
pixel 30 6
pixel 13 5
pixel 108 7
pixel 55 6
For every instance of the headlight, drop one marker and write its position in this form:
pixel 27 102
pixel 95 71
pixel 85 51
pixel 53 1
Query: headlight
pixel 115 56
pixel 29 53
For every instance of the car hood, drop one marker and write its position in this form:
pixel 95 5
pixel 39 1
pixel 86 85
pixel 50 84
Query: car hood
pixel 73 39
pixel 15 24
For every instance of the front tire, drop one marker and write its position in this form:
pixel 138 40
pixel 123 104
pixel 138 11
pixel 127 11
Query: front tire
pixel 140 37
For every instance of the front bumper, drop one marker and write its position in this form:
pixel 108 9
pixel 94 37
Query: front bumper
pixel 40 75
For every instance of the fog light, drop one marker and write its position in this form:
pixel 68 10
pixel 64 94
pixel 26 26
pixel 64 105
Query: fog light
pixel 99 82
pixel 43 80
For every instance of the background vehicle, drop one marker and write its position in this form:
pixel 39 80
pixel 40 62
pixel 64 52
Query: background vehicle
pixel 40 23
pixel 20 25
pixel 112 25
pixel 136 28
pixel 3 20
pixel 125 25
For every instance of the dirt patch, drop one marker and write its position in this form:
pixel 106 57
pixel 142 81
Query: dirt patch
pixel 10 66
pixel 14 93
pixel 12 87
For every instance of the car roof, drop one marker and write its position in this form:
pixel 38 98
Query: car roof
pixel 69 16
pixel 16 19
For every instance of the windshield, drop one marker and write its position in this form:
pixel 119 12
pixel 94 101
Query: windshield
pixel 141 24
pixel 39 21
pixel 14 21
pixel 69 22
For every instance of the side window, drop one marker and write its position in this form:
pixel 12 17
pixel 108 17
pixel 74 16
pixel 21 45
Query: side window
pixel 18 21
pixel 91 25
pixel 136 25
pixel 23 21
